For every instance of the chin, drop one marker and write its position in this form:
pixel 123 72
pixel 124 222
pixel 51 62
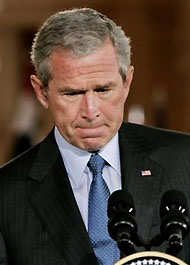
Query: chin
pixel 93 146
pixel 93 150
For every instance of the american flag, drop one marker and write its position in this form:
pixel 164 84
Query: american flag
pixel 145 173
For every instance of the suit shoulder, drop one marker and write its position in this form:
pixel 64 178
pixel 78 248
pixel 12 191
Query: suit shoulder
pixel 21 163
pixel 147 136
pixel 25 160
pixel 38 159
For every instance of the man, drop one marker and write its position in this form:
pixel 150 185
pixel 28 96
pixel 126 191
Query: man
pixel 83 76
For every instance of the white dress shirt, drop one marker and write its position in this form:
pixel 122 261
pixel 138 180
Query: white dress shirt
pixel 80 177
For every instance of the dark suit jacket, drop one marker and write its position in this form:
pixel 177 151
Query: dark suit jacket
pixel 39 218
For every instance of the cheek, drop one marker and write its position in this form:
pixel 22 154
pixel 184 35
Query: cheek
pixel 114 111
pixel 116 105
pixel 63 114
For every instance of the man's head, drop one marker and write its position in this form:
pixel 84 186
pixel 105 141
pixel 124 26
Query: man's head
pixel 80 31
pixel 82 61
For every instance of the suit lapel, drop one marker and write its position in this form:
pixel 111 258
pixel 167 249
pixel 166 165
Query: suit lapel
pixel 144 189
pixel 56 207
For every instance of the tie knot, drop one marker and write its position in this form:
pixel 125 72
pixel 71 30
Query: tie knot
pixel 96 164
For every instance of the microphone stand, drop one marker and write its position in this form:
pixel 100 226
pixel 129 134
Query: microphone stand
pixel 127 248
pixel 175 243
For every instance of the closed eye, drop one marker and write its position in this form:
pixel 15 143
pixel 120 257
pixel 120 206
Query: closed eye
pixel 102 89
pixel 74 93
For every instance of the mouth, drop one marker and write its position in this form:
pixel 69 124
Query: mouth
pixel 91 131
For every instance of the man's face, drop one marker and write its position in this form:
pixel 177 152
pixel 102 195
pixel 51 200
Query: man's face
pixel 85 96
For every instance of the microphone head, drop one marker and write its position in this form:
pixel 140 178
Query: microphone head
pixel 173 200
pixel 120 199
pixel 122 226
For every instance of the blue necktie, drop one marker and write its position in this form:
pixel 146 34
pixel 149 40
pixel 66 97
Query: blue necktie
pixel 104 247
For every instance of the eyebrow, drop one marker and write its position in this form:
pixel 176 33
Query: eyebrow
pixel 109 84
pixel 71 89
pixel 67 89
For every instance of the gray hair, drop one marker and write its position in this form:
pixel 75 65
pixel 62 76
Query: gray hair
pixel 81 31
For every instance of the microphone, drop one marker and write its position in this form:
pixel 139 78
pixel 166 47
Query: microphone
pixel 174 220
pixel 122 226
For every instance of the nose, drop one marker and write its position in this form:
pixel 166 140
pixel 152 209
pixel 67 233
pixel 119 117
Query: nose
pixel 90 107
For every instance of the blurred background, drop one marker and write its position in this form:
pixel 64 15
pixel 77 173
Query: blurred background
pixel 160 38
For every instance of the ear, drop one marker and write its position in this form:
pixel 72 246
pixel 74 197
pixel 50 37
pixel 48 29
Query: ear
pixel 40 91
pixel 128 80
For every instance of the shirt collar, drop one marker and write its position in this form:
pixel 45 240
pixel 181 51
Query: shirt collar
pixel 110 153
pixel 79 158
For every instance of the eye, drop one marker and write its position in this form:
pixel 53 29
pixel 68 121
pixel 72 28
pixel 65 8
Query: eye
pixel 73 93
pixel 102 89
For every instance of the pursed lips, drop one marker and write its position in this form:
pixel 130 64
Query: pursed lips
pixel 91 131
pixel 90 126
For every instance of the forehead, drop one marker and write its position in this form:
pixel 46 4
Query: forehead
pixel 64 63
